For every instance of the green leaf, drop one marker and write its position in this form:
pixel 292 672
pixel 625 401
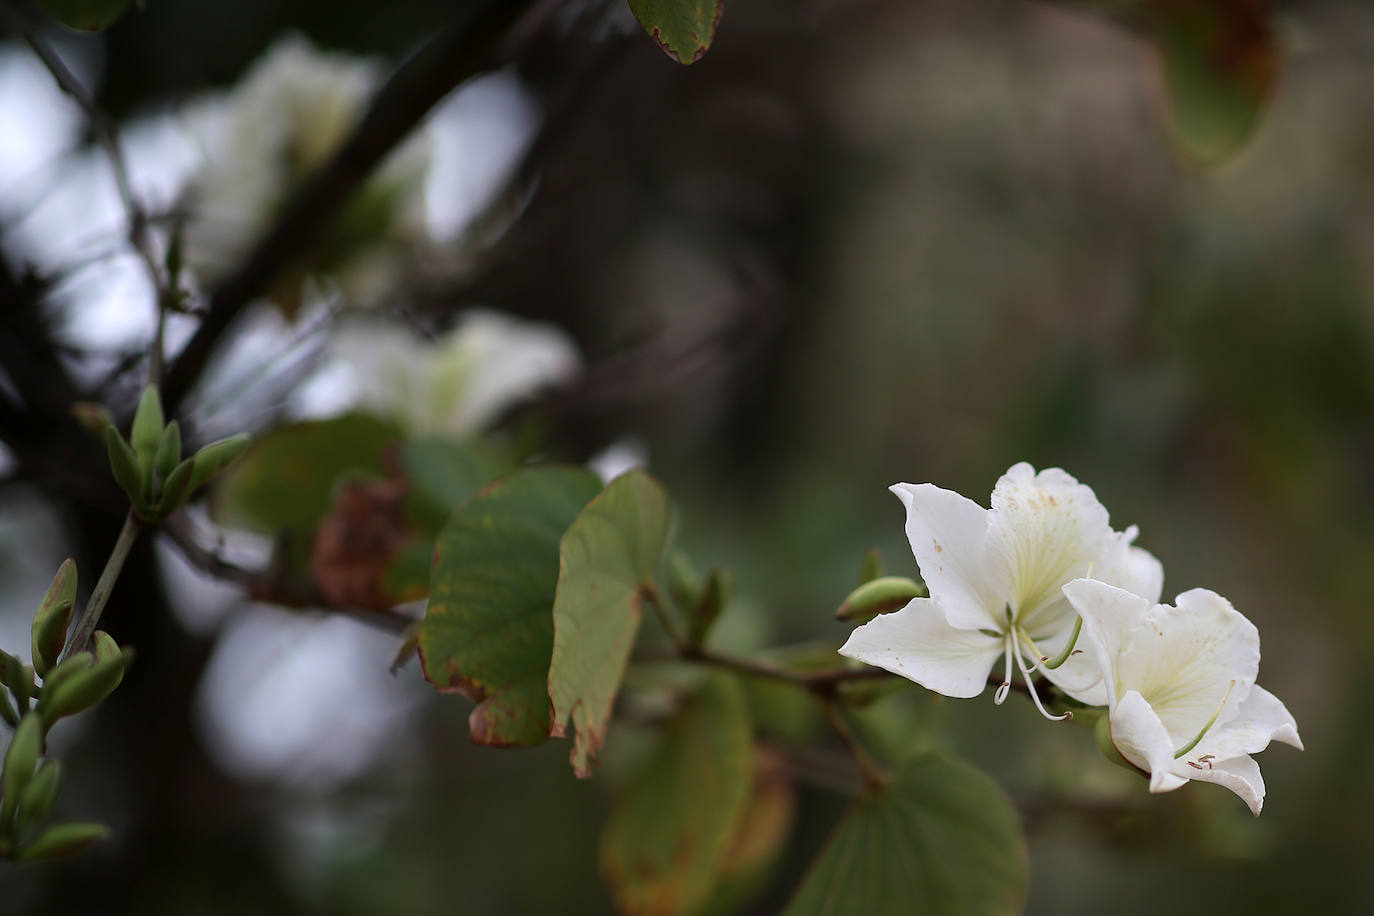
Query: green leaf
pixel 284 483
pixel 53 618
pixel 444 475
pixel 86 15
pixel 84 688
pixel 124 466
pixel 667 838
pixel 1220 61
pixel 62 840
pixel 941 837
pixel 488 628
pixel 168 451
pixel 682 28
pixel 608 559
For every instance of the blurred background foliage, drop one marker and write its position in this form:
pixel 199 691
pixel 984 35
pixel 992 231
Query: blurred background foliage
pixel 858 243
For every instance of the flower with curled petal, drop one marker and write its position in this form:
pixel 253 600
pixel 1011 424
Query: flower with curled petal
pixel 1181 693
pixel 995 578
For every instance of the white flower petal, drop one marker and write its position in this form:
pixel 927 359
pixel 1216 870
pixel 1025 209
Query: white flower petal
pixel 1045 529
pixel 918 643
pixel 1143 740
pixel 948 534
pixel 1186 660
pixel 1260 719
pixel 1110 615
pixel 1240 774
pixel 1132 568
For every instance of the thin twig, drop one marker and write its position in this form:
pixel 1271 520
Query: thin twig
pixel 874 776
pixel 81 636
pixel 106 133
pixel 271 586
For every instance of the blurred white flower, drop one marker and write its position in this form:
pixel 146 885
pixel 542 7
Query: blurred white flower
pixel 1181 692
pixel 455 385
pixel 995 578
pixel 290 111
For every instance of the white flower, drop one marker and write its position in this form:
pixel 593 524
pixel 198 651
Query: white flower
pixel 995 578
pixel 288 114
pixel 455 385
pixel 1181 692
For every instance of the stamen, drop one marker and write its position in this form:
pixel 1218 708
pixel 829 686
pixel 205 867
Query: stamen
pixel 1030 686
pixel 1062 657
pixel 1000 696
pixel 1210 722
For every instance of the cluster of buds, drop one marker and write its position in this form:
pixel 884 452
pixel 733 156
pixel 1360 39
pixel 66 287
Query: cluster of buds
pixel 36 697
pixel 148 465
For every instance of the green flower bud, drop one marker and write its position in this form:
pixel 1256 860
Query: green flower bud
pixel 62 840
pixel 53 618
pixel 168 451
pixel 103 645
pixel 175 488
pixel 38 798
pixel 715 595
pixel 147 429
pixel 124 465
pixel 879 596
pixel 83 689
pixel 215 457
pixel 93 417
pixel 20 761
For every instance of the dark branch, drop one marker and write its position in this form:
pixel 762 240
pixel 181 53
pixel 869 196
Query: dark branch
pixel 477 42
pixel 272 586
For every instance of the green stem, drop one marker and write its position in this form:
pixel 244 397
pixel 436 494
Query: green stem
pixel 656 601
pixel 81 637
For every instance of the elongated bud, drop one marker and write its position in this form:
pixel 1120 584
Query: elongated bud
pixel 93 417
pixel 175 488
pixel 62 840
pixel 872 566
pixel 124 465
pixel 20 761
pixel 715 596
pixel 83 689
pixel 214 458
pixel 53 618
pixel 103 645
pixel 168 450
pixel 880 596
pixel 147 429
pixel 684 582
pixel 37 800
pixel 7 710
pixel 11 672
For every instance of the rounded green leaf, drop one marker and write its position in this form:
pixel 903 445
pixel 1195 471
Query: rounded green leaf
pixel 668 835
pixel 608 559
pixel 20 760
pixel 444 475
pixel 488 628
pixel 147 429
pixel 682 28
pixel 940 837
pixel 38 798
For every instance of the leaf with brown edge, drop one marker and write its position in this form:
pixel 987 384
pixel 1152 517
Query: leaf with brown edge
pixel 683 28
pixel 488 627
pixel 608 560
pixel 669 834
